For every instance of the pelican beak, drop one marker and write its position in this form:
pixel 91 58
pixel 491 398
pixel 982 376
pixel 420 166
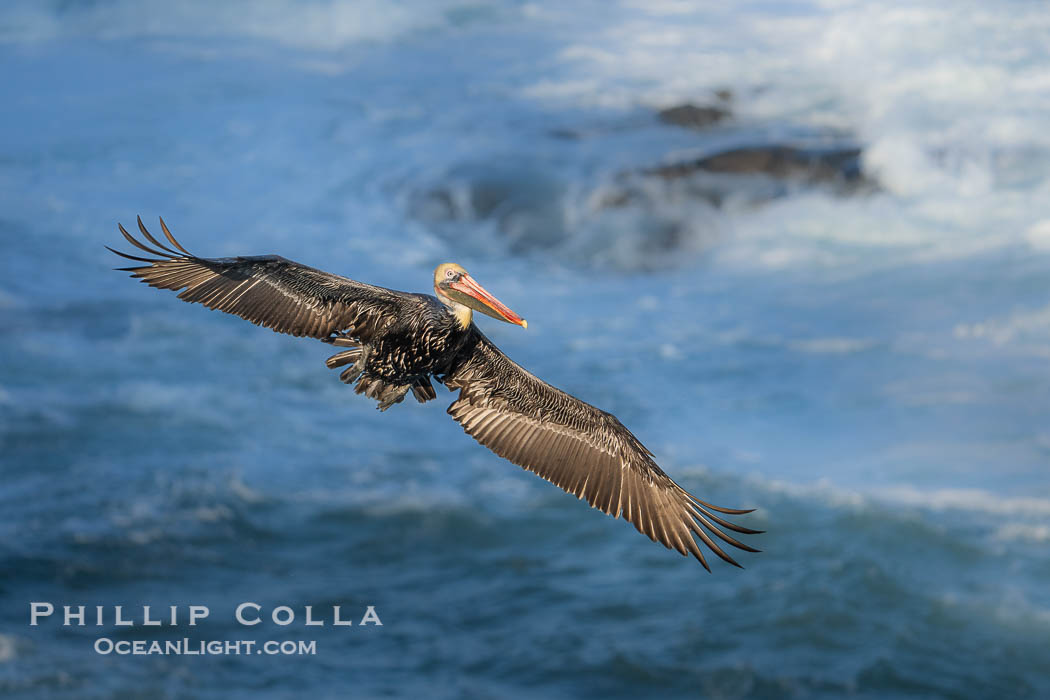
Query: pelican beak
pixel 467 291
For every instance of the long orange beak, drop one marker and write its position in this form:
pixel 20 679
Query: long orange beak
pixel 480 300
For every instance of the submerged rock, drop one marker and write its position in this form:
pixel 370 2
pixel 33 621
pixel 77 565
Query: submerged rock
pixel 522 202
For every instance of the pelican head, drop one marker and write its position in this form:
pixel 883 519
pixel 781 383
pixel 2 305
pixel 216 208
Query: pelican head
pixel 460 293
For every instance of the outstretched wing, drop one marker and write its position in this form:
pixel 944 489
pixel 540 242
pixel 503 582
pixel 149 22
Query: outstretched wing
pixel 582 449
pixel 267 290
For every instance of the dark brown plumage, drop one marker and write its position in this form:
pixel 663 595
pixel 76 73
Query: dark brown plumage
pixel 398 341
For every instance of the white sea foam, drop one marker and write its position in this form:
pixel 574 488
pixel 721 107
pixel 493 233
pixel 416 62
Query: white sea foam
pixel 830 346
pixel 905 495
pixel 212 514
pixel 976 500
pixel 1011 608
pixel 1024 532
pixel 245 492
pixel 1025 331
pixel 8 648
pixel 1024 520
pixel 937 69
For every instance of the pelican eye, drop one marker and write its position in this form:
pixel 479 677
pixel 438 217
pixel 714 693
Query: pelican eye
pixel 450 273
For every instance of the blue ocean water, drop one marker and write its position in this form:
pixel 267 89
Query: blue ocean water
pixel 866 366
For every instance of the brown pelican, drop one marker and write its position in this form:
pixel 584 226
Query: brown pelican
pixel 397 341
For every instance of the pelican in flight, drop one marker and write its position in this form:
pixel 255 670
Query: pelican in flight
pixel 396 342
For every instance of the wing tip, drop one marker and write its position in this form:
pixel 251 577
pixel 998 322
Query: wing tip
pixel 164 251
pixel 171 238
pixel 699 556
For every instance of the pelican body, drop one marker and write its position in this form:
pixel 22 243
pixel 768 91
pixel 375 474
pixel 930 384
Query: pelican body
pixel 396 342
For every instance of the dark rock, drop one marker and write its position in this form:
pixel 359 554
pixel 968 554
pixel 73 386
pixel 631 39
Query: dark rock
pixel 691 116
pixel 810 165
pixel 738 178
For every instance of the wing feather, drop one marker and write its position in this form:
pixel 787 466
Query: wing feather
pixel 267 290
pixel 584 450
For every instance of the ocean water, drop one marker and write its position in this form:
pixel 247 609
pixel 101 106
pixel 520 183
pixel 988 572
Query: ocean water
pixel 862 357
